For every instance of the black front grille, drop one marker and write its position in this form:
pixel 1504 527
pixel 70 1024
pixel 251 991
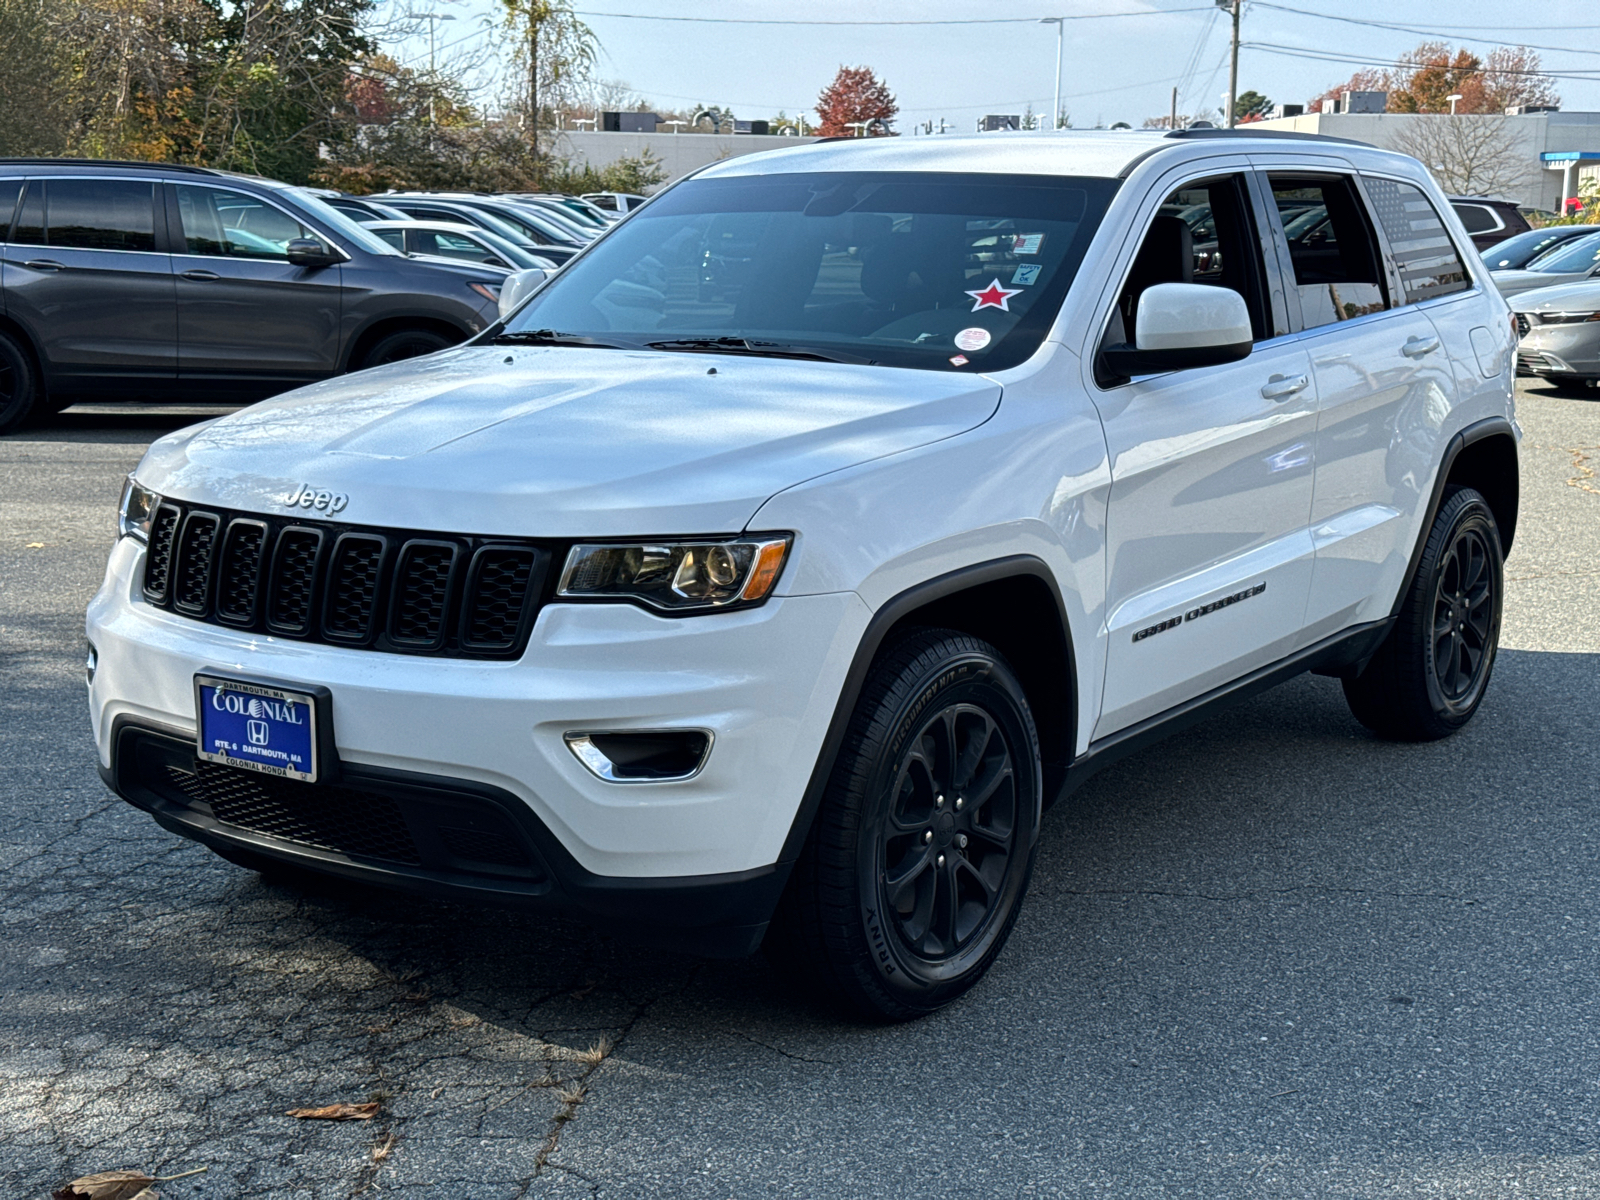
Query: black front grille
pixel 343 820
pixel 425 827
pixel 191 584
pixel 239 571
pixel 1522 325
pixel 383 589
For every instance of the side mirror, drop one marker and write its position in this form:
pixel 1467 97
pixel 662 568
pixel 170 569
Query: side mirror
pixel 518 287
pixel 1182 325
pixel 309 252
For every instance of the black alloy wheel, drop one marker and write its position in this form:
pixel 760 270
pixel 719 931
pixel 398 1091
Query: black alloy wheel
pixel 950 833
pixel 917 862
pixel 1464 616
pixel 19 389
pixel 408 343
pixel 1431 672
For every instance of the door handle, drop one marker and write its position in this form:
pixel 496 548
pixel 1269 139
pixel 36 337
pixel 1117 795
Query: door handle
pixel 1416 347
pixel 201 276
pixel 44 264
pixel 1281 387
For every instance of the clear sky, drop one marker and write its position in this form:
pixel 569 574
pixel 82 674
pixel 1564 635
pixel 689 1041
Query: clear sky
pixel 1114 68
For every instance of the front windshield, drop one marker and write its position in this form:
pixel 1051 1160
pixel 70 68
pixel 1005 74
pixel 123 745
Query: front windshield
pixel 338 222
pixel 1572 257
pixel 911 269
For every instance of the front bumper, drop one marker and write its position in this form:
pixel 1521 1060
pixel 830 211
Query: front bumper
pixel 763 681
pixel 1561 350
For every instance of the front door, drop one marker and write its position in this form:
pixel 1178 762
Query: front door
pixel 85 273
pixel 1208 552
pixel 245 311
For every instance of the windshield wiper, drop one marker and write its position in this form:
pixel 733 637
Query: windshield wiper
pixel 552 337
pixel 739 345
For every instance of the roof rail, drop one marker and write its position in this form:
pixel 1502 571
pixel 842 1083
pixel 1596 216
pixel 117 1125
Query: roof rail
pixel 1264 134
pixel 26 161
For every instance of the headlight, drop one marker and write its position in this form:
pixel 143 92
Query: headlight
pixel 134 513
pixel 677 576
pixel 489 291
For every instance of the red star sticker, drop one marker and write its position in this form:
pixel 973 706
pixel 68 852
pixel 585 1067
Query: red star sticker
pixel 994 296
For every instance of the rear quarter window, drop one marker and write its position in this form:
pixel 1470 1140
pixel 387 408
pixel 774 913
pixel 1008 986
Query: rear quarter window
pixel 1425 257
pixel 1476 218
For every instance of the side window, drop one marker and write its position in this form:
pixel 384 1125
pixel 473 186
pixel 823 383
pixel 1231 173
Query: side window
pixel 453 245
pixel 1476 218
pixel 30 216
pixel 10 193
pixel 1331 248
pixel 100 214
pixel 1202 233
pixel 395 237
pixel 1423 252
pixel 228 224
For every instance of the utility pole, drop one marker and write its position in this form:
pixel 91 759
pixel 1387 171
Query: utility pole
pixel 1172 121
pixel 1061 26
pixel 1234 6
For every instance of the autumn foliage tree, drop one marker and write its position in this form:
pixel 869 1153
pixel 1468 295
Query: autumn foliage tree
pixel 1430 74
pixel 856 101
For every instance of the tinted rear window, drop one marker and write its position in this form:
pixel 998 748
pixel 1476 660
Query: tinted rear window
pixel 1426 257
pixel 100 214
pixel 1476 218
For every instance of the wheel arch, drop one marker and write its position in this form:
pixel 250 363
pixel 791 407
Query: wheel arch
pixel 1488 463
pixel 1013 603
pixel 20 334
pixel 382 327
pixel 1481 456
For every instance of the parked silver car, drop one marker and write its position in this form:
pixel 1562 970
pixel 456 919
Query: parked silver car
pixel 1566 263
pixel 1560 332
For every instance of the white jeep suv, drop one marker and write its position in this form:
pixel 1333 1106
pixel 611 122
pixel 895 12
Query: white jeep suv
pixel 762 577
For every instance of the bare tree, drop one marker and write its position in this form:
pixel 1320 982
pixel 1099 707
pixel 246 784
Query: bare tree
pixel 1468 155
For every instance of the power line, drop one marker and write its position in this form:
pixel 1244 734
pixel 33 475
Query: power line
pixel 1365 61
pixel 969 21
pixel 1403 28
pixel 1305 12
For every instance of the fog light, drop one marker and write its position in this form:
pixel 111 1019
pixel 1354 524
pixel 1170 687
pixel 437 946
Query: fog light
pixel 91 663
pixel 642 756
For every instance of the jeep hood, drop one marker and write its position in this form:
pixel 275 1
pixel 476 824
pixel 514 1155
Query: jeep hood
pixel 563 441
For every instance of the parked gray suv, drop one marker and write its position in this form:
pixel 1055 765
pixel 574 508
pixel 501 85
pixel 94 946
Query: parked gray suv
pixel 183 282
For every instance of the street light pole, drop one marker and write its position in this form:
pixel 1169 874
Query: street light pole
pixel 433 20
pixel 1061 29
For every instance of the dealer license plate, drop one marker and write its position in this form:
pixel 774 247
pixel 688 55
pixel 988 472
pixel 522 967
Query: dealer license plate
pixel 259 728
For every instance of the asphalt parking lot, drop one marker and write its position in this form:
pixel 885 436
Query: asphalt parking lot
pixel 1272 957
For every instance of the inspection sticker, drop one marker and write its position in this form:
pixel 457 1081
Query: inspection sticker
pixel 1026 243
pixel 972 339
pixel 1026 274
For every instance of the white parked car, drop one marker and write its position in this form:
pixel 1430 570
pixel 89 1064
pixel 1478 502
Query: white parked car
pixel 767 572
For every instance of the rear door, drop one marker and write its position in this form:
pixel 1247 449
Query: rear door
pixel 88 275
pixel 245 311
pixel 1384 388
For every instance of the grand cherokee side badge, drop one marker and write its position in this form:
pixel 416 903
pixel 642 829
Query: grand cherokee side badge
pixel 306 496
pixel 1194 614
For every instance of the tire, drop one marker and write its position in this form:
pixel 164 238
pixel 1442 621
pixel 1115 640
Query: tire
pixel 403 344
pixel 905 893
pixel 1431 672
pixel 20 394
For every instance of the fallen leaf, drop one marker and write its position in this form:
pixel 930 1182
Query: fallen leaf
pixel 108 1185
pixel 34 546
pixel 335 1112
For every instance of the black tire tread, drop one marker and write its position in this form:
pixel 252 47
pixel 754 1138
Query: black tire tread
pixel 816 939
pixel 1390 697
